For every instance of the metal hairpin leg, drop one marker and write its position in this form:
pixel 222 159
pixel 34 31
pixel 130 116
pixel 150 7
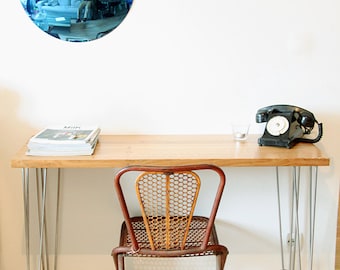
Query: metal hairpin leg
pixel 294 221
pixel 312 211
pixel 25 185
pixel 43 254
pixel 280 218
pixel 41 189
pixel 41 180
pixel 56 236
pixel 295 247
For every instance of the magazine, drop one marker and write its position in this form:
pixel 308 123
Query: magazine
pixel 64 141
pixel 61 151
pixel 66 135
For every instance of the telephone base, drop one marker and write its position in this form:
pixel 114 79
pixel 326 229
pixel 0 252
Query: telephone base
pixel 265 141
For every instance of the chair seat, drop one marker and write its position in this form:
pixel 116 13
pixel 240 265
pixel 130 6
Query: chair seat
pixel 195 237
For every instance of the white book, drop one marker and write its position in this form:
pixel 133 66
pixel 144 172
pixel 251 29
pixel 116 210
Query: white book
pixel 64 141
pixel 65 135
pixel 62 150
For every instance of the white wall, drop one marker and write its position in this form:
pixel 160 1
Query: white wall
pixel 171 67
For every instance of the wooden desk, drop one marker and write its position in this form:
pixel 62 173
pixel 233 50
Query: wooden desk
pixel 114 151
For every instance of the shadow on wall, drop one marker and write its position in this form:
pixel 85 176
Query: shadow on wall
pixel 239 239
pixel 14 132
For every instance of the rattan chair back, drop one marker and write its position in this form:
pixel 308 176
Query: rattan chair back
pixel 167 201
pixel 167 227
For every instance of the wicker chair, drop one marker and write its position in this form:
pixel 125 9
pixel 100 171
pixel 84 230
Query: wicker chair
pixel 168 226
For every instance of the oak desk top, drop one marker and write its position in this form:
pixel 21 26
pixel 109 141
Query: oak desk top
pixel 115 151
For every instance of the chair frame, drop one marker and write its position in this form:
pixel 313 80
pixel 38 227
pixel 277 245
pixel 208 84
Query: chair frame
pixel 135 249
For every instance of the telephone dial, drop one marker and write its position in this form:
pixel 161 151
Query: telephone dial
pixel 286 125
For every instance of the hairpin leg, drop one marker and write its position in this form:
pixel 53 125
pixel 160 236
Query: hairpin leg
pixel 280 218
pixel 42 226
pixel 25 185
pixel 56 237
pixel 295 245
pixel 312 208
pixel 41 197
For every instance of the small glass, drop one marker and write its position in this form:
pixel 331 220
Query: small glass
pixel 240 132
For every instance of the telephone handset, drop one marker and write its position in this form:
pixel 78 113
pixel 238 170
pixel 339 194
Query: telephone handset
pixel 286 125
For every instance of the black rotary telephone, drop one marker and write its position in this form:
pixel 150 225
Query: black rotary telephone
pixel 286 125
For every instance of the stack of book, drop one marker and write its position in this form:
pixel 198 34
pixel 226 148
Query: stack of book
pixel 64 141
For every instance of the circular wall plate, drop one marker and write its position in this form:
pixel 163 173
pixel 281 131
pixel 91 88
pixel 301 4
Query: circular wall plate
pixel 77 20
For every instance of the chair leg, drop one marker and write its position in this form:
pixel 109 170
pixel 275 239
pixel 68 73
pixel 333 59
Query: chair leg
pixel 223 260
pixel 118 260
pixel 115 260
pixel 221 251
pixel 121 262
pixel 224 254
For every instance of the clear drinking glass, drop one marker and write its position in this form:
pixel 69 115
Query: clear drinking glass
pixel 240 131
